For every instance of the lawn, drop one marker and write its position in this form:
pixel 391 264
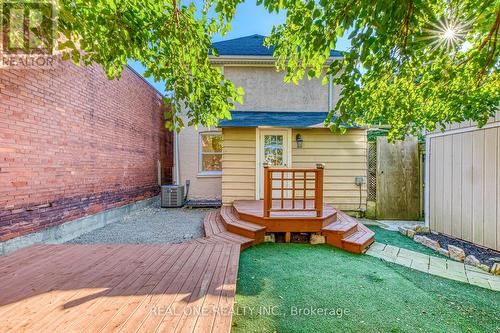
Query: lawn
pixel 357 293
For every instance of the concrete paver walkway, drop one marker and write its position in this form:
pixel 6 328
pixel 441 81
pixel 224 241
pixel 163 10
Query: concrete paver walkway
pixel 445 268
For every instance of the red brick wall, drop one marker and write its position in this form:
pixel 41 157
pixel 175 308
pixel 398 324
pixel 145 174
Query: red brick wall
pixel 73 143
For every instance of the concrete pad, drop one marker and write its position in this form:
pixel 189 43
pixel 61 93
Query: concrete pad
pixel 455 266
pixel 473 269
pixel 406 253
pixel 403 261
pixel 373 252
pixel 437 263
pixel 447 275
pixel 495 285
pixel 384 257
pixel 420 267
pixel 392 224
pixel 483 275
pixel 424 260
pixel 480 282
pixel 416 256
pixel 391 250
pixel 445 268
pixel 378 246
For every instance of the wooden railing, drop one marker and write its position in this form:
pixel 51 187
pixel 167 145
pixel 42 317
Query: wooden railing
pixel 292 189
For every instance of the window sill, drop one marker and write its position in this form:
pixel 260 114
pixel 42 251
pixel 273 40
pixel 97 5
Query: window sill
pixel 209 174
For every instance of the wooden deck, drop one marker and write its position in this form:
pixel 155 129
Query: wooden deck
pixel 148 288
pixel 109 288
pixel 289 221
pixel 246 218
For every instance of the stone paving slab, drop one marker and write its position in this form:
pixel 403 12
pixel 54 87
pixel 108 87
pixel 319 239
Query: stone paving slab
pixel 446 268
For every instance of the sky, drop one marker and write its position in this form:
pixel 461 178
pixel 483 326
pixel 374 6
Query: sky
pixel 250 19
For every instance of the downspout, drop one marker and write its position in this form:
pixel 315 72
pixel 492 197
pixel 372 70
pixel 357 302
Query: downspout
pixel 426 179
pixel 176 154
pixel 330 93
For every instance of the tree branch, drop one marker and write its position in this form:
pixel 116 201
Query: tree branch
pixel 406 24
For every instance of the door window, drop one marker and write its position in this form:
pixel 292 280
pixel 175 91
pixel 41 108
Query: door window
pixel 273 149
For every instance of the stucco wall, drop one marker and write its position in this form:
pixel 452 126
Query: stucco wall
pixel 266 91
pixel 202 186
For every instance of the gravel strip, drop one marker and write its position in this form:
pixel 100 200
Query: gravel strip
pixel 150 225
pixel 486 256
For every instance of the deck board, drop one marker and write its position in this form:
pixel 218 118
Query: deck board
pixel 111 287
pixel 256 208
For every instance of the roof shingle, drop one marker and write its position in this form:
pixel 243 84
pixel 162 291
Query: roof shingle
pixel 249 46
pixel 288 119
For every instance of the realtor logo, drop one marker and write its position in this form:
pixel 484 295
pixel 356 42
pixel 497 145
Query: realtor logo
pixel 28 33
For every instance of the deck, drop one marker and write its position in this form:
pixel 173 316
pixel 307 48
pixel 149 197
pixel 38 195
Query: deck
pixel 246 218
pixel 108 288
pixel 285 221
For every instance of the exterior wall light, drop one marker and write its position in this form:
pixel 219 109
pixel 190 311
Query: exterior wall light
pixel 299 140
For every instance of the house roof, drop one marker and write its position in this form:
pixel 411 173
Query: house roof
pixel 296 119
pixel 249 46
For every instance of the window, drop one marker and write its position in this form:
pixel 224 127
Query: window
pixel 210 153
pixel 273 149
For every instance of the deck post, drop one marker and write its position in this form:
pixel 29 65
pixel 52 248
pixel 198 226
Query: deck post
pixel 267 196
pixel 318 198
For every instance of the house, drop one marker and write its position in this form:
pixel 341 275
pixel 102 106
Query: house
pixel 278 123
pixel 462 197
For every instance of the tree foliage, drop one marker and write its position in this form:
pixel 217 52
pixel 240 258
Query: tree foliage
pixel 413 64
pixel 171 40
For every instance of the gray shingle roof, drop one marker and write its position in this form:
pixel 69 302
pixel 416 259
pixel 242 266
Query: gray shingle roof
pixel 276 119
pixel 249 46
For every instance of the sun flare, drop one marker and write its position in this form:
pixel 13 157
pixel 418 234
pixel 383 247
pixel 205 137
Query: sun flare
pixel 446 33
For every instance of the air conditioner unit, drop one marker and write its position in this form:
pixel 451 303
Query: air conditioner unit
pixel 172 195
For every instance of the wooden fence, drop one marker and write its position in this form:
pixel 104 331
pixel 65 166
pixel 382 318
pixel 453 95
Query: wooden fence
pixel 395 179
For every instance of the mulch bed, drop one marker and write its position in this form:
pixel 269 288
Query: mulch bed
pixel 486 256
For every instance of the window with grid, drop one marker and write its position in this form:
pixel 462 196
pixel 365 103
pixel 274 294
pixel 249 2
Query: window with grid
pixel 211 153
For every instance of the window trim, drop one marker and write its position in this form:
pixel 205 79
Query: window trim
pixel 207 173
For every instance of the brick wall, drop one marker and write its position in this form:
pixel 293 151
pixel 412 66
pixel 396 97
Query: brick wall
pixel 73 143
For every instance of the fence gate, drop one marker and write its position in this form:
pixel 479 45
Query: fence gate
pixel 397 183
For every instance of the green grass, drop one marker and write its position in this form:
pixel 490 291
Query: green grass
pixel 395 238
pixel 379 296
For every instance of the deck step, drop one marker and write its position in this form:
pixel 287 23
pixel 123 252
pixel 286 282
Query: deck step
pixel 358 241
pixel 216 232
pixel 348 234
pixel 359 237
pixel 225 225
pixel 234 224
pixel 340 226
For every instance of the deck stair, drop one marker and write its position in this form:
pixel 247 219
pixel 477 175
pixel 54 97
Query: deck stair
pixel 348 234
pixel 227 225
pixel 234 224
pixel 215 231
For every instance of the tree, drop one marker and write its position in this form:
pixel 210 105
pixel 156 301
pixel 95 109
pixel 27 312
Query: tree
pixel 171 40
pixel 413 64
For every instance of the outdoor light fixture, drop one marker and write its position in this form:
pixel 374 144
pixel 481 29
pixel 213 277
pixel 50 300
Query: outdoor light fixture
pixel 299 140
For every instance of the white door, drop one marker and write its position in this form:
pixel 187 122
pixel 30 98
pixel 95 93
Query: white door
pixel 274 149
